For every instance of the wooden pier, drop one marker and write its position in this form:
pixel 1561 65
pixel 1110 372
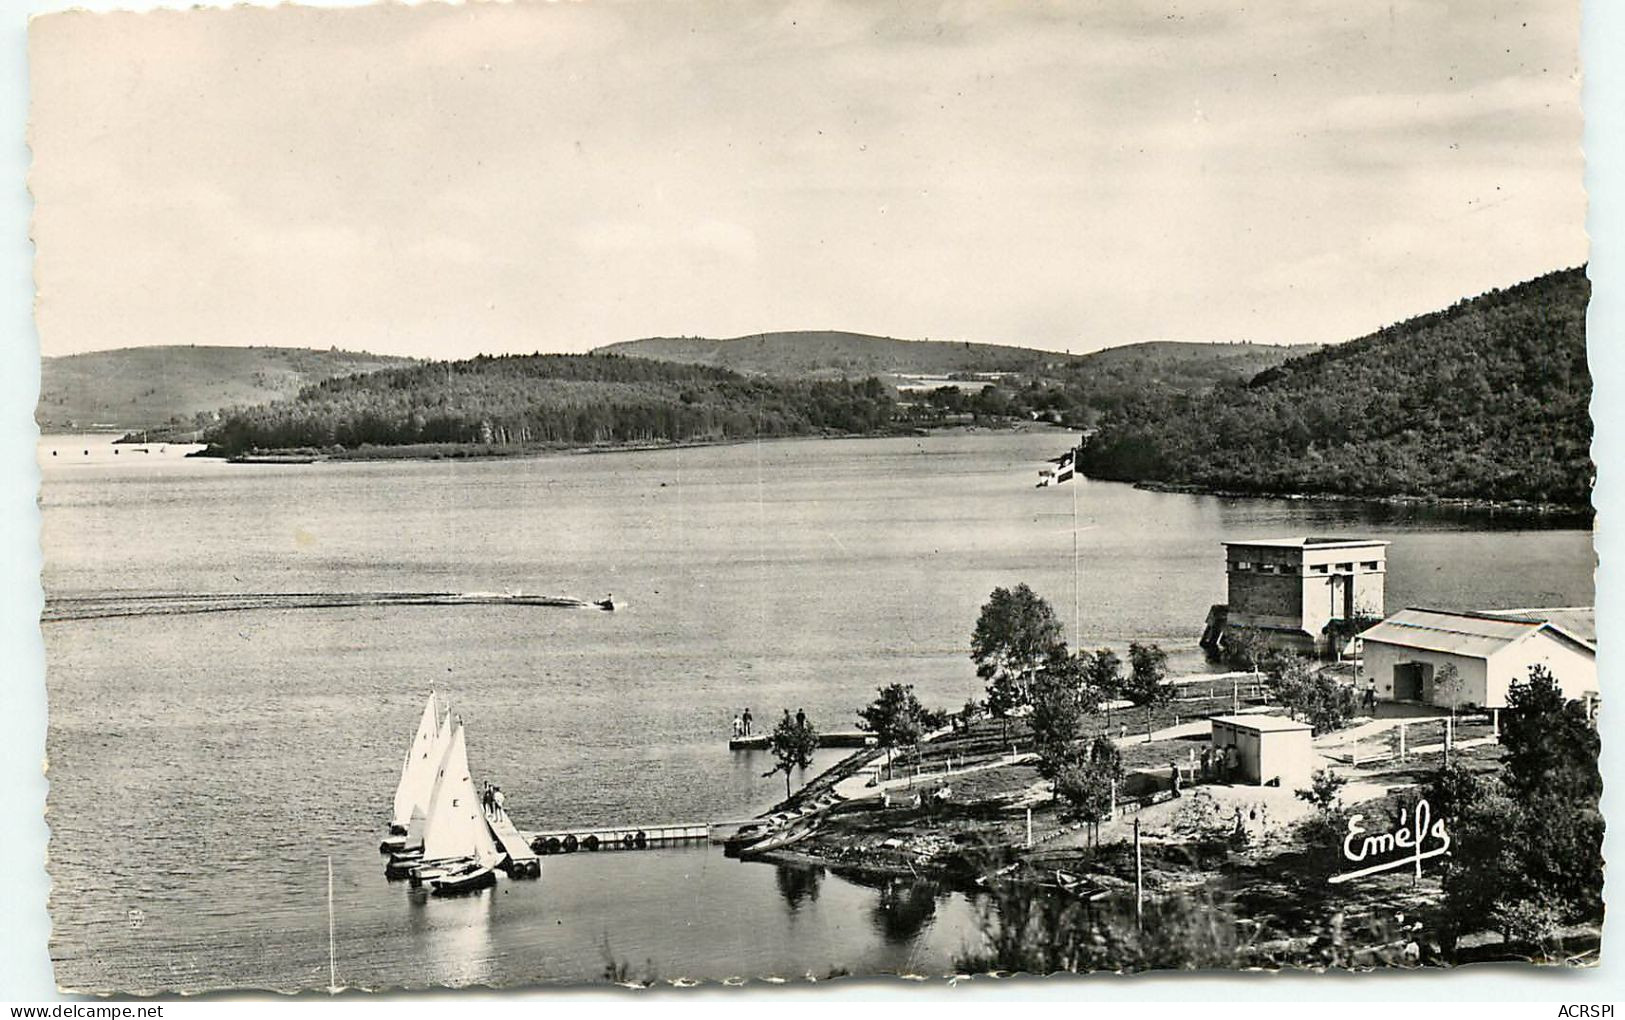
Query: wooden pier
pixel 523 861
pixel 849 738
pixel 623 837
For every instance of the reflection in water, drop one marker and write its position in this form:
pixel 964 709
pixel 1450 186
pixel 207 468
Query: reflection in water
pixel 460 945
pixel 903 909
pixel 798 883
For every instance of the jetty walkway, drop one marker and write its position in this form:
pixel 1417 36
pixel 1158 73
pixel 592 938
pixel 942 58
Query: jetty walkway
pixel 844 738
pixel 523 861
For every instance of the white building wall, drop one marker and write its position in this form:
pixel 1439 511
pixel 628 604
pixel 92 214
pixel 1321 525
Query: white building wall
pixel 1380 658
pixel 1575 668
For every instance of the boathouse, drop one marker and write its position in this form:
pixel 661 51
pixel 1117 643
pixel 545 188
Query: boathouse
pixel 1404 655
pixel 1271 750
pixel 1295 589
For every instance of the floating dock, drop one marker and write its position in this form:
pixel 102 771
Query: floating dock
pixel 849 738
pixel 523 862
pixel 623 837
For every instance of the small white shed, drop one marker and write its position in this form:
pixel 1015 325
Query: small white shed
pixel 1271 750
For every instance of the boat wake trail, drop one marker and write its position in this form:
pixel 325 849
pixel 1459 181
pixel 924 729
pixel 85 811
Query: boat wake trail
pixel 97 607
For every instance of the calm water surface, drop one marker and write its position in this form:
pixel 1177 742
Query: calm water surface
pixel 204 768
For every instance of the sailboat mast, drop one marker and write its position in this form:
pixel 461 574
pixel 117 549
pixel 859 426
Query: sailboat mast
pixel 332 945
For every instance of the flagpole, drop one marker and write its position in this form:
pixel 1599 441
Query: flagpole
pixel 1077 577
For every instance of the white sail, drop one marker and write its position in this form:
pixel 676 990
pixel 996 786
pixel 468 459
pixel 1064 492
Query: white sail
pixel 457 826
pixel 418 770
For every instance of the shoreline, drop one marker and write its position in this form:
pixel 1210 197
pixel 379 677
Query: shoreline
pixel 1471 504
pixel 492 451
pixel 477 451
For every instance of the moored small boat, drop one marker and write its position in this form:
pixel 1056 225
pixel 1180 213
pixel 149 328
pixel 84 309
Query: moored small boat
pixel 466 879
pixel 419 772
pixel 458 854
pixel 777 840
pixel 403 864
pixel 746 836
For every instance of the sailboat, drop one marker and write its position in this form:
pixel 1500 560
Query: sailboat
pixel 417 780
pixel 459 854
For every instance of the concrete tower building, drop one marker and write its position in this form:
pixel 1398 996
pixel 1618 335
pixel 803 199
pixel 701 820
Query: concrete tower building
pixel 1291 588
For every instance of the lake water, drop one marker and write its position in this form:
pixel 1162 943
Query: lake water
pixel 205 768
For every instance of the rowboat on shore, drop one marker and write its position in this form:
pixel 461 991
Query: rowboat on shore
pixel 778 840
pixel 1078 886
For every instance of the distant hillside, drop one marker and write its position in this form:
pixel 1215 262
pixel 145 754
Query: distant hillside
pixel 552 399
pixel 1488 399
pixel 148 387
pixel 1185 365
pixel 1074 389
pixel 831 353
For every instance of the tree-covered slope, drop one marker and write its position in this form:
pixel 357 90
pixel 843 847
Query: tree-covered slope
pixel 838 354
pixel 552 399
pixel 1485 400
pixel 147 387
pixel 828 353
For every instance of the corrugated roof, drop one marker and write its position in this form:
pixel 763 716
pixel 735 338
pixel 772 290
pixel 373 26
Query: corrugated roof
pixel 1261 723
pixel 1577 621
pixel 1474 635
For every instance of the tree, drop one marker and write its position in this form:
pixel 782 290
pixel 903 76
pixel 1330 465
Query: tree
pixel 969 712
pixel 1325 789
pixel 1103 675
pixel 792 742
pixel 1244 648
pixel 1526 850
pixel 1059 703
pixel 1148 668
pixel 1447 682
pixel 895 718
pixel 1016 633
pixel 1089 782
pixel 1317 698
pixel 1550 744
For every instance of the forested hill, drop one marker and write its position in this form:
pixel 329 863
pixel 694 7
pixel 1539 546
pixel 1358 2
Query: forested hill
pixel 149 387
pixel 836 354
pixel 1485 400
pixel 552 399
pixel 832 354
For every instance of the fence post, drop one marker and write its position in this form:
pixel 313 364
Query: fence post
pixel 1139 875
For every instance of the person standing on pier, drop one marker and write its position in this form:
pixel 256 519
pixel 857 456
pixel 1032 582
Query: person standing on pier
pixel 739 727
pixel 496 801
pixel 801 718
pixel 747 722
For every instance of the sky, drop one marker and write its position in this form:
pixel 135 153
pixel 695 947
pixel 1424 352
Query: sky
pixel 447 180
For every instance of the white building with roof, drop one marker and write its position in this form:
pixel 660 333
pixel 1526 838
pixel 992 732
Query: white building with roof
pixel 1271 750
pixel 1405 653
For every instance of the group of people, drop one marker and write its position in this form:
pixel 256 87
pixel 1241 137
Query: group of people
pixel 742 722
pixel 491 800
pixel 1218 765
